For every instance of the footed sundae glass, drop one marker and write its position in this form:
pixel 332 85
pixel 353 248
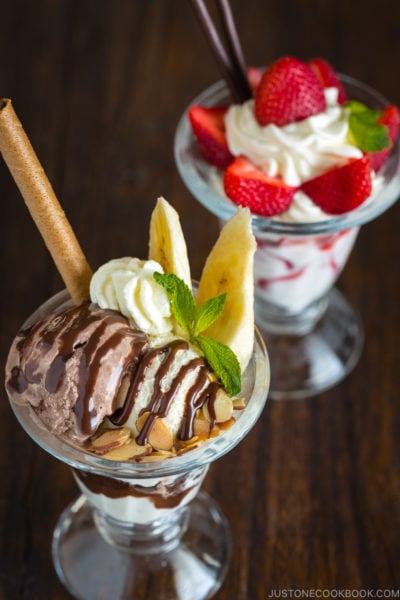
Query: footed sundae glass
pixel 314 336
pixel 144 529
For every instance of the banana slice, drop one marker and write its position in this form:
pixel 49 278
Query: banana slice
pixel 166 244
pixel 229 268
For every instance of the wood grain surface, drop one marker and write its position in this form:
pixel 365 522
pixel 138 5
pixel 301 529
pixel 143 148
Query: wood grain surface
pixel 313 493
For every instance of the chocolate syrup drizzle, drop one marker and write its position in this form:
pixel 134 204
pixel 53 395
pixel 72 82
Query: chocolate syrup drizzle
pixel 66 333
pixel 202 390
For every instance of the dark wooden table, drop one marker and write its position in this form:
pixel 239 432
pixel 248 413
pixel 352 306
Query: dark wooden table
pixel 313 493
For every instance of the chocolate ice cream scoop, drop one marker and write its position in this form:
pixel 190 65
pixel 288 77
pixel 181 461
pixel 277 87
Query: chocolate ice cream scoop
pixel 69 367
pixel 84 363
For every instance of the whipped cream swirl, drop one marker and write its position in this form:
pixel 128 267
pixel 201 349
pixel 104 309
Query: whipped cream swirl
pixel 295 152
pixel 127 285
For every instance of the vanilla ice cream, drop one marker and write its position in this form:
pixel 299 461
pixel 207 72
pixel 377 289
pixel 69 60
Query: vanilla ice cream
pixel 141 500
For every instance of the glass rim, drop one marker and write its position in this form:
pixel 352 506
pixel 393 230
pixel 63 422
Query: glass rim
pixel 206 453
pixel 224 209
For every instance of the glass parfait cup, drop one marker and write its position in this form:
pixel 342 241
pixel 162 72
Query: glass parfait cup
pixel 314 336
pixel 140 526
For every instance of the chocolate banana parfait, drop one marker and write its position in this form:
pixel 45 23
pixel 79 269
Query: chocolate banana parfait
pixel 142 371
pixel 138 381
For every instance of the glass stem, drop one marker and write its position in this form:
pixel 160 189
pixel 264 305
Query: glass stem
pixel 157 536
pixel 277 321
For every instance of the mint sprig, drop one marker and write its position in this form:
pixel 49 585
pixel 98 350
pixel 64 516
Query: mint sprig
pixel 223 362
pixel 208 312
pixel 181 298
pixel 364 130
pixel 194 320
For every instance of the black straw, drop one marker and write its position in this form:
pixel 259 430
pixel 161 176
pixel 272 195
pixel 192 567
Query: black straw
pixel 232 65
pixel 234 46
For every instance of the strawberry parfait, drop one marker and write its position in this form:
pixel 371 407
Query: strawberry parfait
pixel 313 155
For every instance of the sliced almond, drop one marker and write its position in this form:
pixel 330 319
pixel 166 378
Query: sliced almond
pixel 110 439
pixel 226 424
pixel 141 420
pixel 205 412
pixel 157 456
pixel 201 426
pixel 188 448
pixel 128 451
pixel 222 407
pixel 160 436
pixel 192 440
pixel 200 414
pixel 239 404
pixel 216 430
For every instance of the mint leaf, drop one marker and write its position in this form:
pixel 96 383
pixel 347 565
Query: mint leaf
pixel 365 131
pixel 182 302
pixel 208 312
pixel 358 107
pixel 223 362
pixel 193 320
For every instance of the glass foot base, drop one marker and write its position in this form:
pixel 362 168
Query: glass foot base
pixel 304 365
pixel 92 569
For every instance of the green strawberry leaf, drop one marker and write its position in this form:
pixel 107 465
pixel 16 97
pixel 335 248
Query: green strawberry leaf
pixel 223 362
pixel 181 298
pixel 364 130
pixel 208 312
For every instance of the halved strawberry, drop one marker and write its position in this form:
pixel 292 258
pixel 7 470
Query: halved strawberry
pixel 328 77
pixel 247 185
pixel 289 91
pixel 209 128
pixel 254 75
pixel 342 188
pixel 390 118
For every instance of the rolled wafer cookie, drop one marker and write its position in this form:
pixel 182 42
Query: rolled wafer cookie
pixel 43 205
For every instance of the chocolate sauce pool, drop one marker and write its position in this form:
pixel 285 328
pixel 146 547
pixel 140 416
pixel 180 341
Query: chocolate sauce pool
pixel 162 495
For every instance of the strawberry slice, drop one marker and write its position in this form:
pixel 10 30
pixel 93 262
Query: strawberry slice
pixel 342 188
pixel 209 128
pixel 248 186
pixel 289 91
pixel 328 77
pixel 390 118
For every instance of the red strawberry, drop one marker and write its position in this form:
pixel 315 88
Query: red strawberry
pixel 328 77
pixel 248 186
pixel 209 128
pixel 254 76
pixel 289 91
pixel 390 118
pixel 342 188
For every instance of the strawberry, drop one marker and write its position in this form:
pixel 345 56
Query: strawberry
pixel 248 186
pixel 390 118
pixel 328 77
pixel 342 188
pixel 289 91
pixel 209 128
pixel 254 75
